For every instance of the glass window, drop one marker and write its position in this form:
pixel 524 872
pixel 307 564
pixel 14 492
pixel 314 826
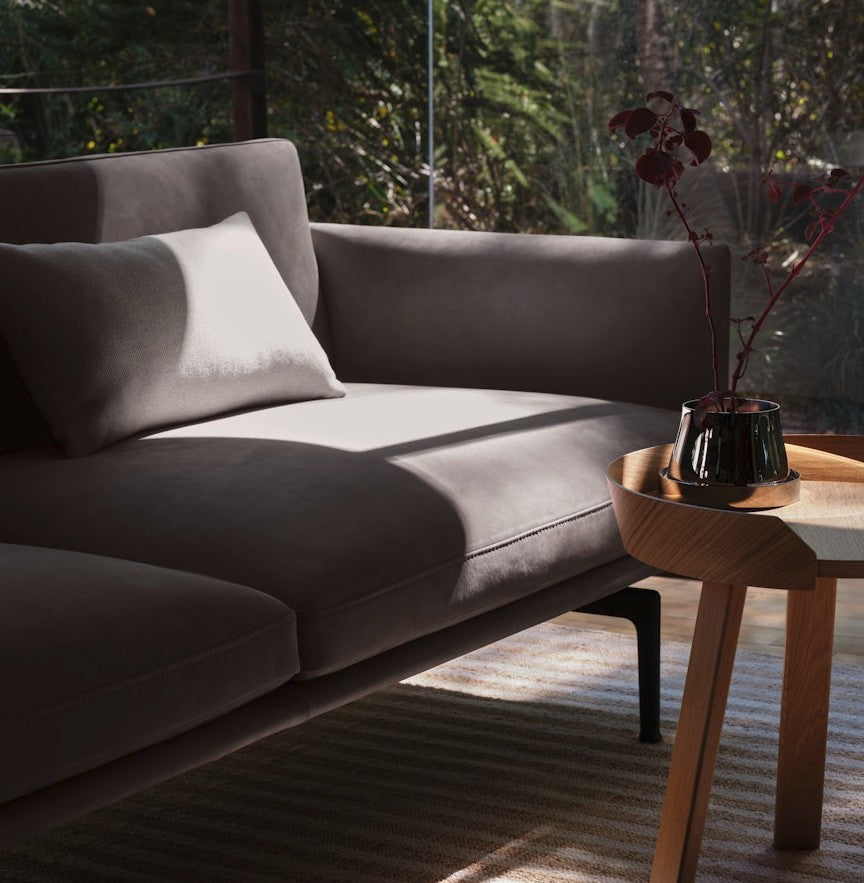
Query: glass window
pixel 523 90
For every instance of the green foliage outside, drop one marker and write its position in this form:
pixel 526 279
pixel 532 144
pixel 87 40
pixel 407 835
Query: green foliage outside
pixel 81 42
pixel 523 90
pixel 515 105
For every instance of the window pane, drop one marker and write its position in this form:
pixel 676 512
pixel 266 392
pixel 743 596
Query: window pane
pixel 347 83
pixel 90 42
pixel 525 89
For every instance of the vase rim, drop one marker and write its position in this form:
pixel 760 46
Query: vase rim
pixel 765 405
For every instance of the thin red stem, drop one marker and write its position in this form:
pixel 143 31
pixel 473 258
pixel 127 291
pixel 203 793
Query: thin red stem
pixel 693 238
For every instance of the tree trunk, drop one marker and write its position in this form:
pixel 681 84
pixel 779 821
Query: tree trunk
pixel 246 56
pixel 656 54
pixel 762 104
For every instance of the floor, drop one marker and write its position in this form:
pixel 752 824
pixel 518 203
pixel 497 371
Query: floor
pixel 763 625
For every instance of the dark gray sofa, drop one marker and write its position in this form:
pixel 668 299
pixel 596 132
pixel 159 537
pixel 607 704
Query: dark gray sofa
pixel 183 593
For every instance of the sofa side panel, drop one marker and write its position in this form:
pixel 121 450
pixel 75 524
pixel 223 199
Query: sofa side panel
pixel 609 318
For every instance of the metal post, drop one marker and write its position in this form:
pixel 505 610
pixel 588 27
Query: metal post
pixel 430 100
pixel 246 53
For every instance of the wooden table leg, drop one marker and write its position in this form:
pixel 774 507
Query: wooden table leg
pixel 804 716
pixel 700 721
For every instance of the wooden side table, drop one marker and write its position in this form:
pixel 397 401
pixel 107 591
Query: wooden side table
pixel 802 548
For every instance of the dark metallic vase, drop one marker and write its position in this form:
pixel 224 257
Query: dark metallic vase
pixel 739 448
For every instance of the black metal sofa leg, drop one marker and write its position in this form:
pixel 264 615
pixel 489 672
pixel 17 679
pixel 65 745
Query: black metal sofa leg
pixel 642 608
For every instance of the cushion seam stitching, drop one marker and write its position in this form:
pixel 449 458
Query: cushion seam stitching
pixel 310 674
pixel 447 565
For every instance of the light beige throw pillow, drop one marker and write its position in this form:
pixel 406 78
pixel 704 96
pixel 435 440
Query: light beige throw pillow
pixel 117 338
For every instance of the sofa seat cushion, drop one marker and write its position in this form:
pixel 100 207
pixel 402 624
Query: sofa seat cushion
pixel 378 518
pixel 100 657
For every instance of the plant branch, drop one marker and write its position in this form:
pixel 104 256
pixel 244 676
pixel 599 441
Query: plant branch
pixel 662 165
pixel 826 227
pixel 695 240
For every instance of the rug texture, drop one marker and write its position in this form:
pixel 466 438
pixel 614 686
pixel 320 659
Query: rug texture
pixel 518 762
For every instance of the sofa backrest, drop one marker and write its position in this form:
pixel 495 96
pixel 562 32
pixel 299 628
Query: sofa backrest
pixel 109 198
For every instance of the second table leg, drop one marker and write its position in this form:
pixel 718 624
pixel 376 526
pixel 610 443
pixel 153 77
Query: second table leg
pixel 804 716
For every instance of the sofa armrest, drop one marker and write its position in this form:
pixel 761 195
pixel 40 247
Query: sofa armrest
pixel 609 318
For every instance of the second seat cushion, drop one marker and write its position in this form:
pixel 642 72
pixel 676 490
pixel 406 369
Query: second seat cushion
pixel 100 657
pixel 378 518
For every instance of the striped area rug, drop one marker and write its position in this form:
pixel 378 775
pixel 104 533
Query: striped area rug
pixel 516 763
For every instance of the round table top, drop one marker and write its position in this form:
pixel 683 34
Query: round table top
pixel 822 534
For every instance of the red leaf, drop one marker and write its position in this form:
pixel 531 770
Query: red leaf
pixel 812 229
pixel 619 119
pixel 639 121
pixel 656 167
pixel 801 193
pixel 836 176
pixel 688 119
pixel 774 192
pixel 699 144
pixel 666 96
pixel 745 407
pixel 757 256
